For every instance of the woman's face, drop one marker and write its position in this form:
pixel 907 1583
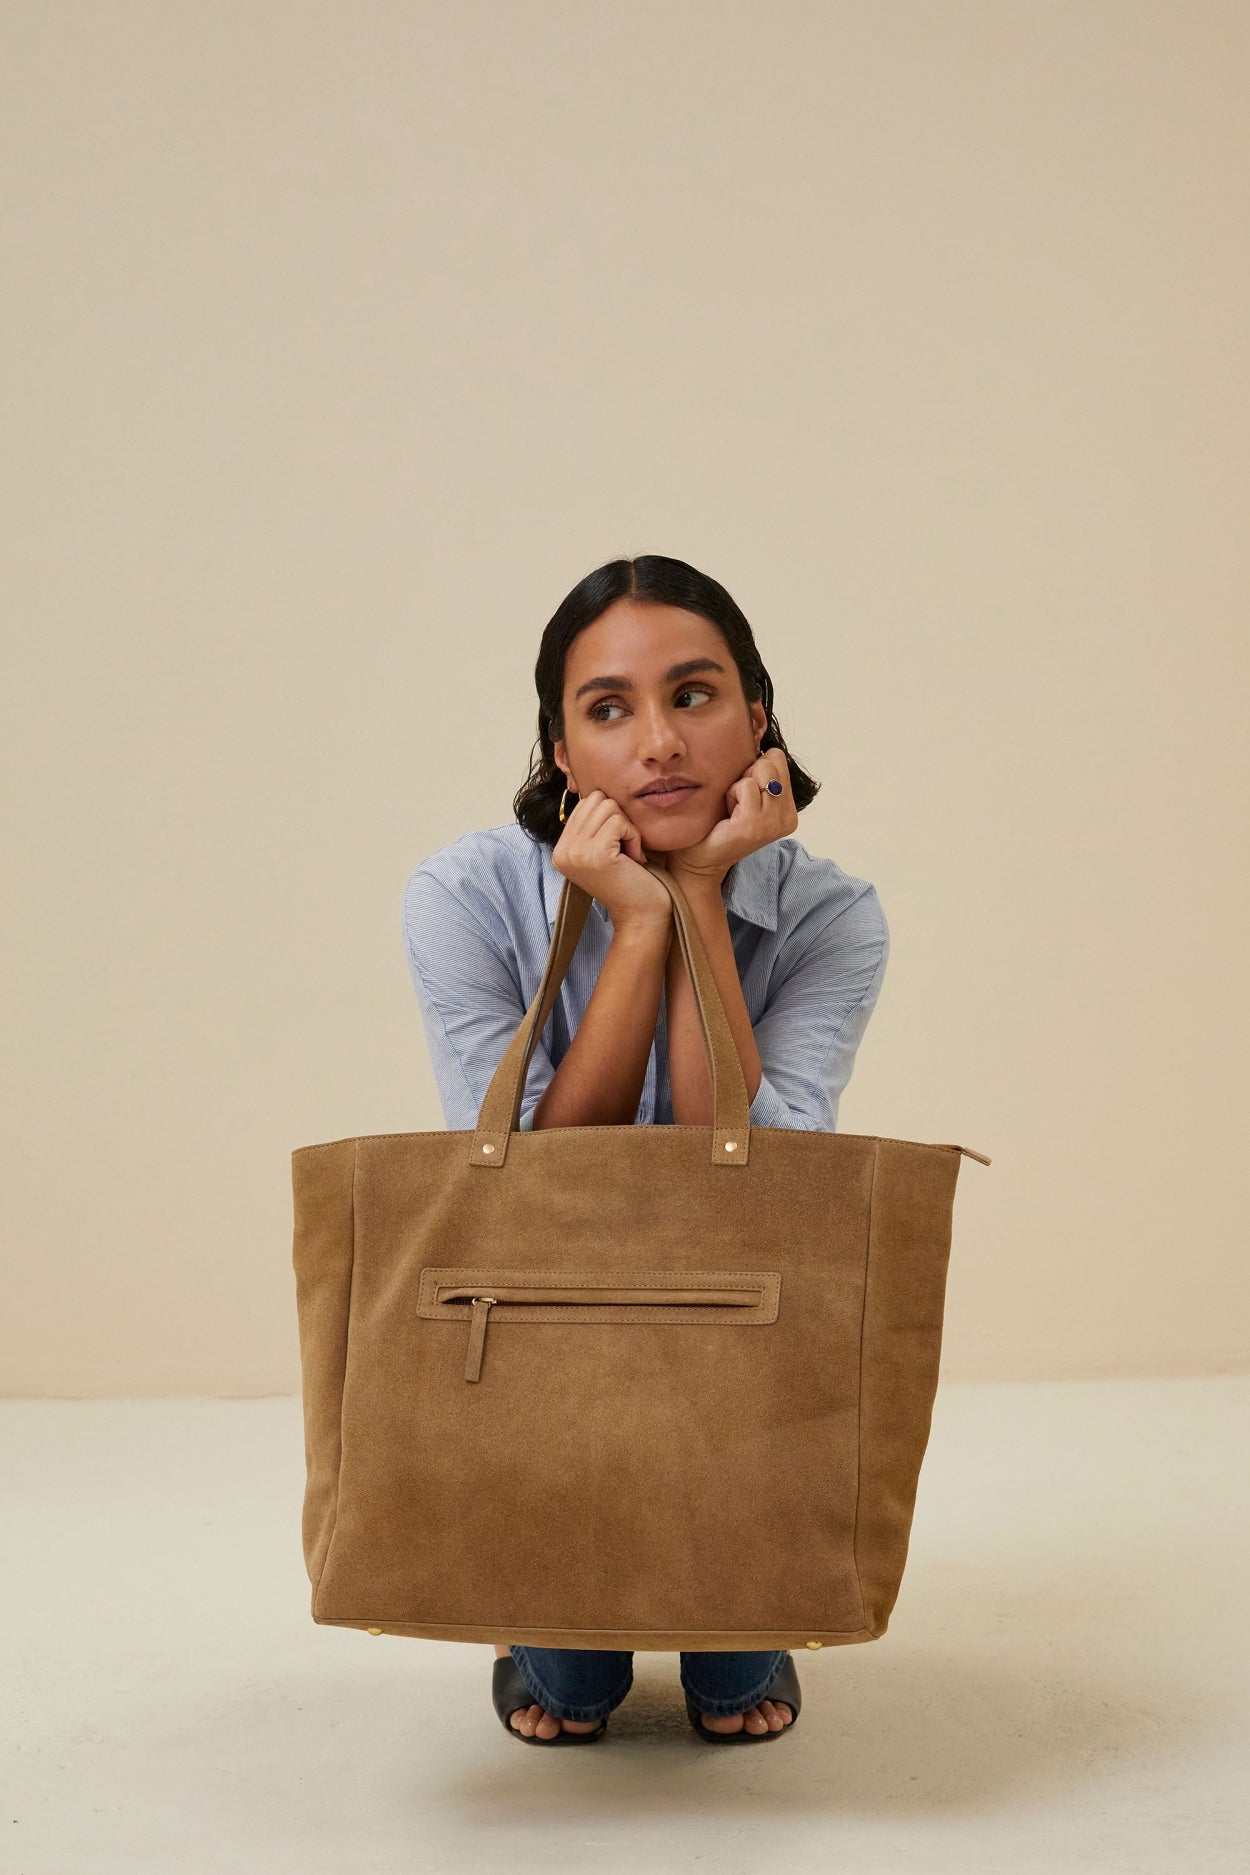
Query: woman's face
pixel 651 691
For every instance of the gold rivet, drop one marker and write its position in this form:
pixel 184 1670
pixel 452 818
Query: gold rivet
pixel 488 1149
pixel 378 1631
pixel 731 1145
pixel 815 1643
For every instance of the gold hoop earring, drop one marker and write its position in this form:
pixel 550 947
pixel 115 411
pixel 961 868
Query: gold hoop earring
pixel 563 798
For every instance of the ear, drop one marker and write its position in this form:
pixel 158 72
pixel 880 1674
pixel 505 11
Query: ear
pixel 759 720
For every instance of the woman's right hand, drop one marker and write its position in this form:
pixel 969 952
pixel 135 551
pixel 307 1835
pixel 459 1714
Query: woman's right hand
pixel 601 850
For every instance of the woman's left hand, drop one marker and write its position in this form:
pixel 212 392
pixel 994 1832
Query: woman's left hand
pixel 754 819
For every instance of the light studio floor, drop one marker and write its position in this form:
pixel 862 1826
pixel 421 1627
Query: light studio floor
pixel 1063 1686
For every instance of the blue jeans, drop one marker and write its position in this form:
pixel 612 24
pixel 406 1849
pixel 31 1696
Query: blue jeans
pixel 587 1682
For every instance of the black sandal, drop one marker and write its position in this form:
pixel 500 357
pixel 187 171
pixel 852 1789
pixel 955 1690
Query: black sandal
pixel 784 1690
pixel 509 1691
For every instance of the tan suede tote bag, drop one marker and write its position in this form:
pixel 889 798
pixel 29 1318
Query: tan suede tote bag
pixel 658 1387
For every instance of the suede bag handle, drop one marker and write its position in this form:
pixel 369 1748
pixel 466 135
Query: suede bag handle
pixel 730 1131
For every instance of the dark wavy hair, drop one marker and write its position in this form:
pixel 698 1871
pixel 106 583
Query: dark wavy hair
pixel 652 578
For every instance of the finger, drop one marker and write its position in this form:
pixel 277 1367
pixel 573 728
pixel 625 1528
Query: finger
pixel 746 794
pixel 603 812
pixel 771 766
pixel 772 779
pixel 781 771
pixel 624 829
pixel 589 808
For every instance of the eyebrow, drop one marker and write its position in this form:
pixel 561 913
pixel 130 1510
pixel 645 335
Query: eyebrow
pixel 671 675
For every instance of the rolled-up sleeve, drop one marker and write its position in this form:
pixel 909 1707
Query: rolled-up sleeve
pixel 470 1001
pixel 816 1017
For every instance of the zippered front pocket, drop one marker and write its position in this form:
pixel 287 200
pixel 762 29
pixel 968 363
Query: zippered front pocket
pixel 736 1297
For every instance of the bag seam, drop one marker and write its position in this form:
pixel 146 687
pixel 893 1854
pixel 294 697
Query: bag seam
pixel 547 1132
pixel 347 1335
pixel 859 1391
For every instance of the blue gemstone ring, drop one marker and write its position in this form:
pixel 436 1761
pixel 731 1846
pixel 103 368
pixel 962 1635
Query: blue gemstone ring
pixel 774 787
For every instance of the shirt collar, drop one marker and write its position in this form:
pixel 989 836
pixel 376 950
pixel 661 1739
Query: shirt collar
pixel 750 888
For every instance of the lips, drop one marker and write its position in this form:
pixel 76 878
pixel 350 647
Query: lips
pixel 665 797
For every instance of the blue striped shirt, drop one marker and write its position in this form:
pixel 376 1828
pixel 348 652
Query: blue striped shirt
pixel 810 942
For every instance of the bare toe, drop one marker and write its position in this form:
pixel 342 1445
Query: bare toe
pixel 766 1717
pixel 536 1722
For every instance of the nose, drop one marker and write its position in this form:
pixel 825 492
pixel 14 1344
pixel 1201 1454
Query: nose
pixel 659 738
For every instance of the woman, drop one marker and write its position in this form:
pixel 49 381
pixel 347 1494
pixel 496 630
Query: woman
pixel 655 721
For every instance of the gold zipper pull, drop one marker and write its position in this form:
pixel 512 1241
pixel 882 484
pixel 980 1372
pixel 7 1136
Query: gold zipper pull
pixel 477 1336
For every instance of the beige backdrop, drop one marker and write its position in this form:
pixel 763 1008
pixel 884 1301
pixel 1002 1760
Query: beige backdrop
pixel 343 339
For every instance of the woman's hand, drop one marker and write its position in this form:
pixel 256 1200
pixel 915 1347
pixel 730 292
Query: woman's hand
pixel 601 850
pixel 754 819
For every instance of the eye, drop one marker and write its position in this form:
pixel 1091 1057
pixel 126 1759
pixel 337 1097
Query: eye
pixel 691 690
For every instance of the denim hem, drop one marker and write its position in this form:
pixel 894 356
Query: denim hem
pixel 558 1708
pixel 741 1702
